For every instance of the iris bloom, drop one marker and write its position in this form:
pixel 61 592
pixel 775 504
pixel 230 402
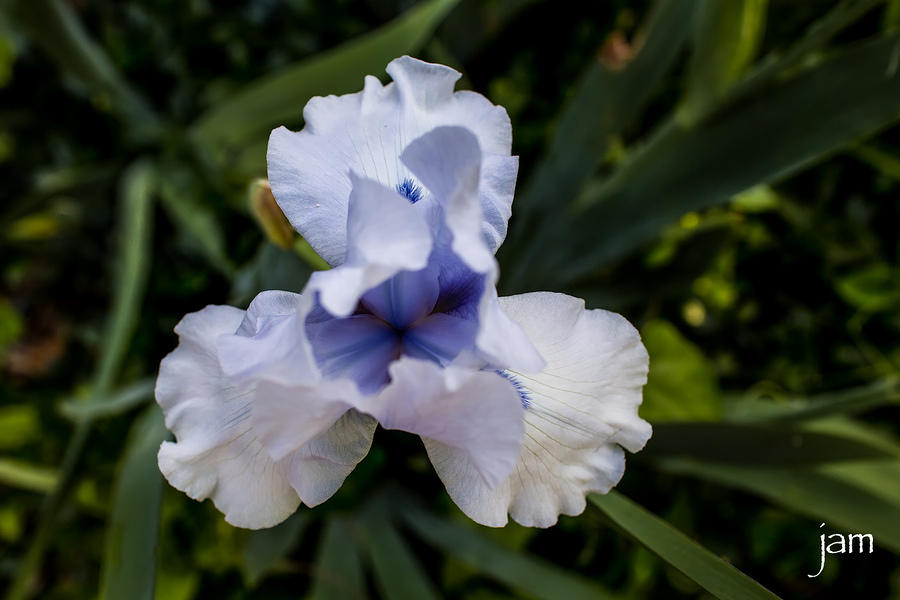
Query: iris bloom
pixel 524 403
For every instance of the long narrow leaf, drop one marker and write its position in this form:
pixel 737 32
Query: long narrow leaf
pixel 757 444
pixel 398 574
pixel 133 254
pixel 54 26
pixel 845 402
pixel 118 402
pixel 338 571
pixel 129 559
pixel 519 571
pixel 604 102
pixel 266 547
pixel 709 571
pixel 766 138
pixel 278 98
pixel 811 492
pixel 726 38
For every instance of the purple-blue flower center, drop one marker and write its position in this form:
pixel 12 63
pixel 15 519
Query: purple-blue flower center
pixel 431 314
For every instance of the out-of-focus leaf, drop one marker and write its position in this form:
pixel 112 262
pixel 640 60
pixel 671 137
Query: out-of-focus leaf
pixel 855 430
pixel 757 445
pixel 854 400
pixel 11 325
pixel 872 289
pixel 682 383
pixel 887 163
pixel 812 492
pixel 605 101
pixel 180 585
pixel 708 570
pixel 115 404
pixel 53 25
pixel 841 16
pixel 18 425
pixel 129 558
pixel 879 478
pixel 133 254
pixel 17 473
pixel 725 42
pixel 519 571
pixel 266 547
pixel 765 137
pixel 338 571
pixel 398 575
pixel 279 98
pixel 197 223
pixel 271 269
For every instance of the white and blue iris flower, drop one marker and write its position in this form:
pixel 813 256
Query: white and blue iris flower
pixel 524 403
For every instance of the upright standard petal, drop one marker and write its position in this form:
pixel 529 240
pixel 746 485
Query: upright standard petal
pixel 386 235
pixel 579 410
pixel 366 133
pixel 446 160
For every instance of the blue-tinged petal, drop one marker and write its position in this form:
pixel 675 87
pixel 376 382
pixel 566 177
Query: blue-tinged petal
pixel 406 297
pixel 447 160
pixel 387 235
pixel 366 132
pixel 439 337
pixel 269 341
pixel 582 409
pixel 358 347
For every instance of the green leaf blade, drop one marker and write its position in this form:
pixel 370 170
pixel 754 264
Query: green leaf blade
pixel 129 558
pixel 279 98
pixel 709 571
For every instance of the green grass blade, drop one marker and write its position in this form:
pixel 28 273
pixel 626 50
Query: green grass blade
pixel 134 244
pixel 726 38
pixel 53 26
pixel 518 571
pixel 604 102
pixel 765 138
pixel 129 563
pixel 26 476
pixel 276 99
pixel 709 571
pixel 338 571
pixel 879 393
pixel 398 574
pixel 757 445
pixel 816 493
pixel 196 221
pixel 113 405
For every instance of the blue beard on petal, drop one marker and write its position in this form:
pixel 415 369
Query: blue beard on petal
pixel 410 190
pixel 431 314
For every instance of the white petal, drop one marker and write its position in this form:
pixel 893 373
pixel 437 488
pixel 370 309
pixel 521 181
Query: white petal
pixel 318 468
pixel 387 234
pixel 216 455
pixel 478 413
pixel 366 132
pixel 270 342
pixel 581 408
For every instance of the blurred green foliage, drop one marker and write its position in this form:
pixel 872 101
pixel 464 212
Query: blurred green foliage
pixel 725 174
